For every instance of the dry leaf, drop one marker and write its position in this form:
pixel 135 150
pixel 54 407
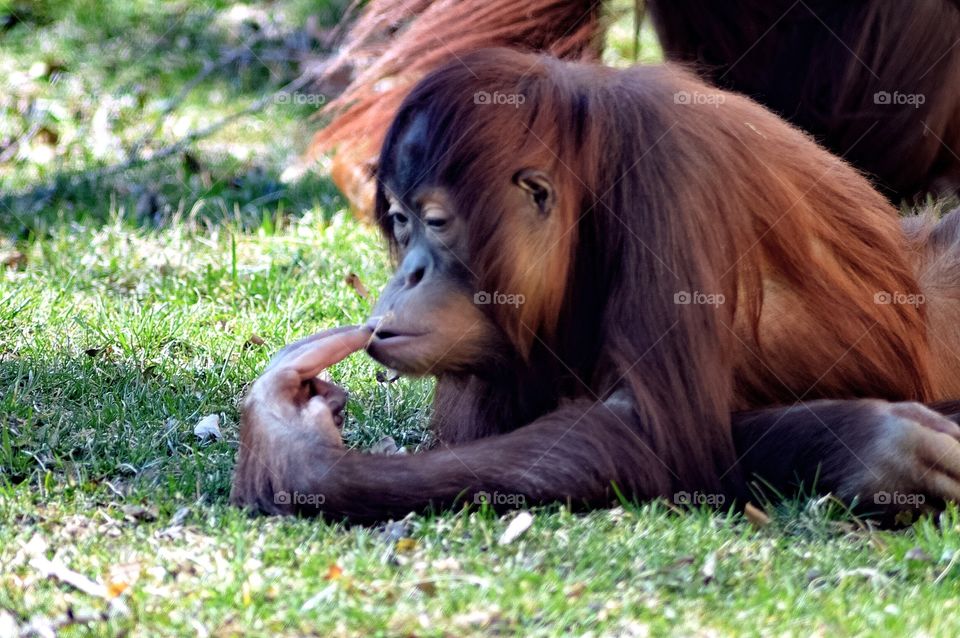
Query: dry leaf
pixel 709 569
pixel 757 517
pixel 520 523
pixel 354 281
pixel 575 591
pixel 870 574
pixel 13 259
pixel 255 340
pixel 386 445
pixel 121 578
pixel 56 569
pixel 447 564
pixel 179 517
pixel 95 352
pixel 139 513
pixel 427 587
pixel 387 375
pixel 395 530
pixel 478 618
pixel 406 544
pixel 48 136
pixel 208 428
pixel 320 597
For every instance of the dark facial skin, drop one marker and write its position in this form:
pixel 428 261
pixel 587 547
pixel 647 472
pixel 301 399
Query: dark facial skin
pixel 426 321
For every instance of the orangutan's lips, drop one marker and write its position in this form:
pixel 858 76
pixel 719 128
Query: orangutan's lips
pixel 383 331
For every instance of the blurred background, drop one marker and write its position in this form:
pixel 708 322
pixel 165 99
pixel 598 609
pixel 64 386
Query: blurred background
pixel 171 109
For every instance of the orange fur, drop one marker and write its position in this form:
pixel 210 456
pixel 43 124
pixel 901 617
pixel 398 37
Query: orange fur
pixel 395 42
pixel 936 257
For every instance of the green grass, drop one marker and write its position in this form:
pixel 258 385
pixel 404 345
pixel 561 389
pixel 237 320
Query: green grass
pixel 127 311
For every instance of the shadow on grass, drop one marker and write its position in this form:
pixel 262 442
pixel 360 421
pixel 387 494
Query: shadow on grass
pixel 89 420
pixel 128 64
pixel 241 192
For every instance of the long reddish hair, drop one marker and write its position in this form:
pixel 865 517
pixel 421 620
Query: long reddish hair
pixel 666 187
